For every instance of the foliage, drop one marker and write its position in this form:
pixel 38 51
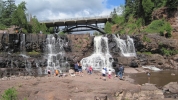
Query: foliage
pixel 132 26
pixel 107 28
pixel 146 39
pixel 115 17
pixel 168 52
pixel 9 94
pixel 96 33
pixel 148 6
pixel 43 28
pixel 159 26
pixel 61 33
pixel 6 13
pixel 19 17
pixel 51 30
pixel 172 3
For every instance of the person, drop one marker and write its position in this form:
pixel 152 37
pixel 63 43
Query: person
pixel 121 71
pixel 49 73
pixel 80 69
pixel 104 74
pixel 148 74
pixel 109 73
pixel 90 70
pixel 56 72
pixel 76 68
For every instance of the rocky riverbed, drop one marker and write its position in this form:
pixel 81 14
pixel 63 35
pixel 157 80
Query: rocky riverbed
pixel 88 87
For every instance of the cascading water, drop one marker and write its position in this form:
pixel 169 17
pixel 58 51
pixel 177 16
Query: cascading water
pixel 101 56
pixel 23 54
pixel 127 47
pixel 55 54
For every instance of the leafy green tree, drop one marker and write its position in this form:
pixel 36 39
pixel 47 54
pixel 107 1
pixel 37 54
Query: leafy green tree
pixel 43 28
pixel 115 18
pixel 35 25
pixel 107 28
pixel 7 10
pixel 148 6
pixel 19 17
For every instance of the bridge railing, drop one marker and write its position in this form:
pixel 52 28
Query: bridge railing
pixel 75 19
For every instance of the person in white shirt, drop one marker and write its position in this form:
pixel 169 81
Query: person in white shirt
pixel 104 74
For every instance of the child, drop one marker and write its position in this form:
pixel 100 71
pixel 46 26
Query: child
pixel 109 74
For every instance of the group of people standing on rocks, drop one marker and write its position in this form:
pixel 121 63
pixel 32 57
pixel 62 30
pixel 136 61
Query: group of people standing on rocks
pixel 119 71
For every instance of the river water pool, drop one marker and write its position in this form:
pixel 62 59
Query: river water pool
pixel 160 78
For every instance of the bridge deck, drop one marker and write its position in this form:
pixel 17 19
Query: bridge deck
pixel 77 21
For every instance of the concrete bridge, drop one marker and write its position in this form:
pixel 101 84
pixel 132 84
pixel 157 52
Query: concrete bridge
pixel 70 25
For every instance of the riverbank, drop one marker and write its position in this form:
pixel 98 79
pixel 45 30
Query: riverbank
pixel 88 87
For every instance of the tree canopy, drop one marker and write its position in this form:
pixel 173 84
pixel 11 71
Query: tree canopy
pixel 17 15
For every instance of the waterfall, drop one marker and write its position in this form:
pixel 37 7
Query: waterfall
pixel 101 56
pixel 55 54
pixel 22 44
pixel 126 47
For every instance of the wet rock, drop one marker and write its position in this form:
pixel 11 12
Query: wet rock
pixel 171 87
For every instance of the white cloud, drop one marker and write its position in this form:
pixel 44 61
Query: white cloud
pixel 61 9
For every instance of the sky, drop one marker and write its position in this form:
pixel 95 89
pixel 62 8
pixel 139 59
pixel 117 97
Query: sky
pixel 63 9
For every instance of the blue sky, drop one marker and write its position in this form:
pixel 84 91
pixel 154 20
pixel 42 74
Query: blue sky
pixel 111 3
pixel 64 9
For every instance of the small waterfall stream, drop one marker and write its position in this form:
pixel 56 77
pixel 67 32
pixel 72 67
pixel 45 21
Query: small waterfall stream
pixel 56 54
pixel 127 47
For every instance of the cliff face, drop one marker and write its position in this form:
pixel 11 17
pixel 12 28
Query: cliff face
pixel 78 46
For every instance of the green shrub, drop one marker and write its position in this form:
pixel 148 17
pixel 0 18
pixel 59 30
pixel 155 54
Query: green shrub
pixel 2 27
pixel 168 52
pixel 159 26
pixel 9 94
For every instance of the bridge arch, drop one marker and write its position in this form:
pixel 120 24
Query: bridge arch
pixel 92 27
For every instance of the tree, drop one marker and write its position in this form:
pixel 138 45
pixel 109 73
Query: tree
pixel 148 6
pixel 19 16
pixel 7 10
pixel 43 27
pixel 35 25
pixel 107 28
pixel 115 18
pixel 172 3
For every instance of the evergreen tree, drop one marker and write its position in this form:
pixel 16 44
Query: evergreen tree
pixel 35 25
pixel 115 17
pixel 107 28
pixel 148 6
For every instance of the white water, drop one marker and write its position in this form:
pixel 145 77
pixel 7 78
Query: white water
pixel 101 56
pixel 126 47
pixel 55 54
pixel 151 67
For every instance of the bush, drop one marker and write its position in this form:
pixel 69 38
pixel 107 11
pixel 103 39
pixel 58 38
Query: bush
pixel 168 52
pixel 9 94
pixel 159 26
